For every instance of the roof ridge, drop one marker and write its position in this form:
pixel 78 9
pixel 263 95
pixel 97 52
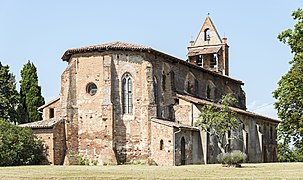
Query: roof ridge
pixel 115 44
pixel 133 47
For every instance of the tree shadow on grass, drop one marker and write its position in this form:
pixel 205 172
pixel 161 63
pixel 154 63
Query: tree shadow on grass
pixel 247 166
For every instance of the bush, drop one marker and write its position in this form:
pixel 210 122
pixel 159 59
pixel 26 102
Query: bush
pixel 234 158
pixel 84 161
pixel 18 146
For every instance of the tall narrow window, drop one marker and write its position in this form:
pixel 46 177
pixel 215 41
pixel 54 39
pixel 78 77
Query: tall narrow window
pixel 51 113
pixel 189 85
pixel 213 62
pixel 127 95
pixel 161 144
pixel 247 143
pixel 183 155
pixel 208 92
pixel 207 35
pixel 172 79
pixel 199 60
pixel 163 81
pixel 196 87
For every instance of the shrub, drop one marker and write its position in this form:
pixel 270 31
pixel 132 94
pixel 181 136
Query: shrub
pixel 234 158
pixel 84 161
pixel 18 146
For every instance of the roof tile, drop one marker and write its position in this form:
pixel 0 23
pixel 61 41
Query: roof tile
pixel 47 123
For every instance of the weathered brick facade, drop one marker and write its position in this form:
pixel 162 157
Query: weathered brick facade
pixel 126 103
pixel 52 133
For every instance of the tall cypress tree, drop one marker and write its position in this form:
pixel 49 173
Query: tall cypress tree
pixel 30 94
pixel 8 95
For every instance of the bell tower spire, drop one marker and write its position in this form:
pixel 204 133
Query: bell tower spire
pixel 209 50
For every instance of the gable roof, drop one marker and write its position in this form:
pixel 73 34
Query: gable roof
pixel 215 38
pixel 47 123
pixel 107 46
pixel 49 103
pixel 139 48
pixel 238 110
pixel 204 51
pixel 174 124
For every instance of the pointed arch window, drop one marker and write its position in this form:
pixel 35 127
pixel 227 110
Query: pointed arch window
pixel 190 84
pixel 163 81
pixel 127 94
pixel 208 92
pixel 172 79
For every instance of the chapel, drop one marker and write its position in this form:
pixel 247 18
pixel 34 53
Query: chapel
pixel 125 103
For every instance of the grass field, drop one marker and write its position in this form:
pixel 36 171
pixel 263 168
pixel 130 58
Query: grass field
pixel 248 171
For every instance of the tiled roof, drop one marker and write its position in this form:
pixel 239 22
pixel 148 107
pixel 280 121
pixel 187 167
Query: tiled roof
pixel 238 110
pixel 49 103
pixel 106 46
pixel 47 123
pixel 203 51
pixel 174 124
pixel 133 47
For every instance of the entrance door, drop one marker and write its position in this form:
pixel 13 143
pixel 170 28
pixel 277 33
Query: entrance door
pixel 183 157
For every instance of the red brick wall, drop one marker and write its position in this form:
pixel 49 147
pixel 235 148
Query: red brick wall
pixel 164 133
pixel 46 135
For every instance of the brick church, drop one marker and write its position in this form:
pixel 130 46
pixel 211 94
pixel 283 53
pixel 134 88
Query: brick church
pixel 126 103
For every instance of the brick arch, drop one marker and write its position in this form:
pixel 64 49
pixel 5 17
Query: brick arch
pixel 210 90
pixel 190 83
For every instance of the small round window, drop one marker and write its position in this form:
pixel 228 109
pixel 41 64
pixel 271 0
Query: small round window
pixel 91 89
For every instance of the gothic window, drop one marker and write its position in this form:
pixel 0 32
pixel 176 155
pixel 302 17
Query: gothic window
pixel 190 84
pixel 157 97
pixel 183 154
pixel 207 35
pixel 196 86
pixel 208 92
pixel 172 79
pixel 161 144
pixel 247 144
pixel 91 89
pixel 127 94
pixel 189 87
pixel 171 115
pixel 163 81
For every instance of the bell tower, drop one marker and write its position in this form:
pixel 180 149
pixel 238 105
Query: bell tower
pixel 209 50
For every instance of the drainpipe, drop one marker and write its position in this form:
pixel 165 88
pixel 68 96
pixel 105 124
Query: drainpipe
pixel 174 151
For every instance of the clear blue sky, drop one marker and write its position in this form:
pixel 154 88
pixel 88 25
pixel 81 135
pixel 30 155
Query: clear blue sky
pixel 41 31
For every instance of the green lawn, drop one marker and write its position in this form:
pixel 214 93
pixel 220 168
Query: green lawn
pixel 248 171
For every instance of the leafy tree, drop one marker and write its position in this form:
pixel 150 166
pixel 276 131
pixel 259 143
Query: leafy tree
pixel 18 146
pixel 30 94
pixel 287 154
pixel 8 95
pixel 289 93
pixel 219 120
